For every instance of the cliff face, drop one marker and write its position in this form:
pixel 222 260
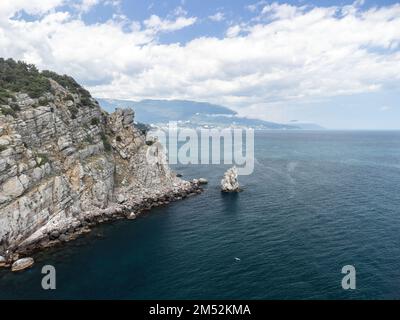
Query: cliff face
pixel 65 163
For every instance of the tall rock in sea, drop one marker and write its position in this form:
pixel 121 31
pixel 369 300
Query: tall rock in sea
pixel 66 164
pixel 230 182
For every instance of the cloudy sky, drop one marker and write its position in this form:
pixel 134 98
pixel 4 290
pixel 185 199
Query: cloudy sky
pixel 336 63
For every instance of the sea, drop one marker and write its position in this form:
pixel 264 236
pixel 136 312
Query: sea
pixel 317 201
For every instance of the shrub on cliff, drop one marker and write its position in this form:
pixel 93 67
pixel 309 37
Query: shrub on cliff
pixel 71 85
pixel 18 76
pixel 22 77
pixel 95 121
pixel 6 110
pixel 106 143
pixel 5 96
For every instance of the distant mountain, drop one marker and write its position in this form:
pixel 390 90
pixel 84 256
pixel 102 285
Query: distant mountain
pixel 306 125
pixel 188 114
pixel 156 111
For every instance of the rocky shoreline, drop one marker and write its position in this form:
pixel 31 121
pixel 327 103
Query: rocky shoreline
pixel 129 209
pixel 66 165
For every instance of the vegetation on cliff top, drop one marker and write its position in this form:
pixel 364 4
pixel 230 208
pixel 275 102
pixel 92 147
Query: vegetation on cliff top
pixel 18 76
pixel 21 77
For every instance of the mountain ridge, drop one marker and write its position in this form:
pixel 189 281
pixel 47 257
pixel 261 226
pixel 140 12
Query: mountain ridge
pixel 197 114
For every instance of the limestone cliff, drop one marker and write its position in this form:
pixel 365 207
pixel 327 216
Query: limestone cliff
pixel 65 164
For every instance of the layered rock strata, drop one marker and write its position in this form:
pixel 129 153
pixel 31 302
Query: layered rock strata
pixel 66 165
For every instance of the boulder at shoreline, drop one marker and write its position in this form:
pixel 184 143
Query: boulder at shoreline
pixel 22 264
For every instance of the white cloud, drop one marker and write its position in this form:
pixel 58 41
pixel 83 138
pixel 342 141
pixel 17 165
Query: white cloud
pixel 114 3
pixel 9 8
pixel 233 31
pixel 255 6
pixel 164 25
pixel 86 5
pixel 281 11
pixel 300 55
pixel 359 3
pixel 180 11
pixel 219 16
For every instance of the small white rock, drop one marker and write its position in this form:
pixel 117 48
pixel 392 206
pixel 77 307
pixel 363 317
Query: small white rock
pixel 132 216
pixel 203 181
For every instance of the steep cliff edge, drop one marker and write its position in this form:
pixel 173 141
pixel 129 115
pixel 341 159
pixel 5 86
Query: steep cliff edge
pixel 66 165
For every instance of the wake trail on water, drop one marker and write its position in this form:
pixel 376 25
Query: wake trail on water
pixel 285 174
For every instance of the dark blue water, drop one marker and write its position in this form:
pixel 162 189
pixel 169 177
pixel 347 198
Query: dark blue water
pixel 317 201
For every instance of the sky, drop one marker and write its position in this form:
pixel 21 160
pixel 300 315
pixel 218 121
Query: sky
pixel 335 63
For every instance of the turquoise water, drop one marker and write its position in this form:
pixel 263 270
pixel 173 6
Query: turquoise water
pixel 317 201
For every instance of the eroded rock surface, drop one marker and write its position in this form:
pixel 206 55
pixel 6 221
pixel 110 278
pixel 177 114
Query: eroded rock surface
pixel 65 165
pixel 230 182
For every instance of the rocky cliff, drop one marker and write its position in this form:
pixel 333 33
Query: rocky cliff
pixel 66 164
